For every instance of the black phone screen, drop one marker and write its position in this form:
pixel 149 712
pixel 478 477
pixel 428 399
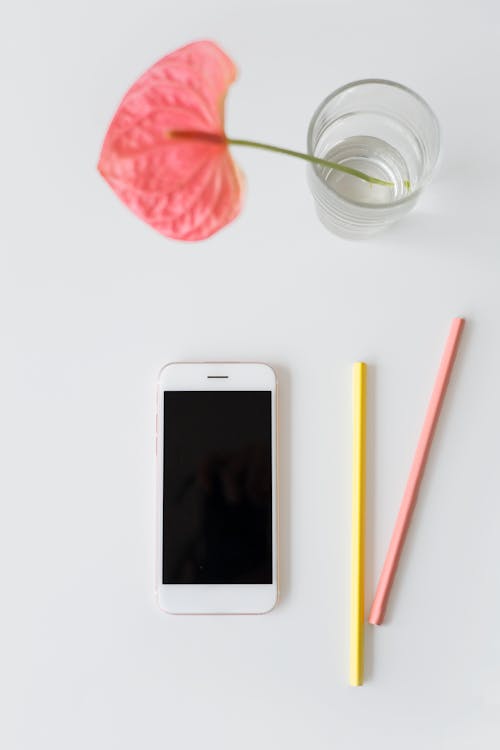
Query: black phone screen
pixel 217 487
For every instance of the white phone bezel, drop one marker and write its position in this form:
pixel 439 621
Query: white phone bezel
pixel 216 598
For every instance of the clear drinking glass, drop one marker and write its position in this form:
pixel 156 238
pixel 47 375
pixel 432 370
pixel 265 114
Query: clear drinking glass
pixel 380 128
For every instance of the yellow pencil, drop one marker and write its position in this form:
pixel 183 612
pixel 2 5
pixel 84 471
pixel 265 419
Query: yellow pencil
pixel 358 523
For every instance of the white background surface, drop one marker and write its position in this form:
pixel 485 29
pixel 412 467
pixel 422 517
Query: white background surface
pixel 94 302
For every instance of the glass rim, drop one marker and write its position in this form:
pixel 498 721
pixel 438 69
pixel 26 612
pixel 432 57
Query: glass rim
pixel 351 85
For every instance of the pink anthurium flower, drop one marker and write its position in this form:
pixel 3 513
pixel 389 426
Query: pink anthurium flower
pixel 185 188
pixel 166 154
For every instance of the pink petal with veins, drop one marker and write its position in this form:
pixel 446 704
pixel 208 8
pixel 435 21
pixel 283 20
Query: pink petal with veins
pixel 185 188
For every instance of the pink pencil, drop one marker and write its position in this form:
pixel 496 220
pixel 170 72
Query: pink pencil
pixel 416 472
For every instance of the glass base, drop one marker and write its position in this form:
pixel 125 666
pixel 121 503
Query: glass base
pixel 374 157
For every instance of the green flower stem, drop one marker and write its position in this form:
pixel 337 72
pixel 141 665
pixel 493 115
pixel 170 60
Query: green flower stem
pixel 310 158
pixel 217 138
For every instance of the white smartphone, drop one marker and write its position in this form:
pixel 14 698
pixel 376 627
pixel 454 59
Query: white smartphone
pixel 217 488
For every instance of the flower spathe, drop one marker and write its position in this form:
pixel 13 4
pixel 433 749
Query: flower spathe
pixel 186 188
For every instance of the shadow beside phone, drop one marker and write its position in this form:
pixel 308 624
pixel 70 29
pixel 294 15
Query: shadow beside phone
pixel 284 414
